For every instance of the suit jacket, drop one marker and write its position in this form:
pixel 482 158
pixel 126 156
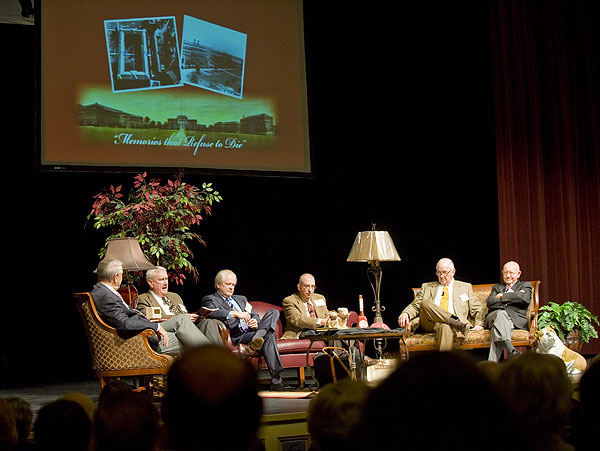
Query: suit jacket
pixel 296 319
pixel 467 310
pixel 215 300
pixel 515 303
pixel 148 300
pixel 117 314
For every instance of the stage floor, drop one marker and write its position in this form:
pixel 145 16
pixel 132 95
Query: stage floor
pixel 39 395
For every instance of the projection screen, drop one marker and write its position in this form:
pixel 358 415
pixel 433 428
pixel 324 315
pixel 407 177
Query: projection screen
pixel 215 85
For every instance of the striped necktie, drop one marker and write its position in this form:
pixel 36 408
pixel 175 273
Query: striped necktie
pixel 234 306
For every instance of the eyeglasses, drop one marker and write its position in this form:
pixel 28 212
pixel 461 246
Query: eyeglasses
pixel 443 273
pixel 308 286
pixel 510 273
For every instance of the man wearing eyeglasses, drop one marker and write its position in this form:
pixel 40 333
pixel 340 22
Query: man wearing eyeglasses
pixel 444 307
pixel 305 310
pixel 507 310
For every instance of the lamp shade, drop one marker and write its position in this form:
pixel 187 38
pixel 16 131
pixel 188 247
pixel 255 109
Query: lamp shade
pixel 375 245
pixel 129 252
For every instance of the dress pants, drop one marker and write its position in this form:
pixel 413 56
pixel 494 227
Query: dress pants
pixel 183 335
pixel 266 331
pixel 211 329
pixel 500 325
pixel 435 319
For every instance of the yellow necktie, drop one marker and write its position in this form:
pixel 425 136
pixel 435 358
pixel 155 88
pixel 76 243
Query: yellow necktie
pixel 445 299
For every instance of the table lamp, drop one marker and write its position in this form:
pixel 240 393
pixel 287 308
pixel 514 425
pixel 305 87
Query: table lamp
pixel 128 251
pixel 374 247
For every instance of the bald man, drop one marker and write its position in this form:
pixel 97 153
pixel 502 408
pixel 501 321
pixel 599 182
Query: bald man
pixel 507 310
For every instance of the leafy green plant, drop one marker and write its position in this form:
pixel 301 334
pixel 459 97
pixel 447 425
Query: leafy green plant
pixel 568 316
pixel 161 216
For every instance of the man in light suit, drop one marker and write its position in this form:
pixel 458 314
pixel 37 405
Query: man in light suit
pixel 305 310
pixel 174 335
pixel 246 326
pixel 507 309
pixel 444 307
pixel 171 304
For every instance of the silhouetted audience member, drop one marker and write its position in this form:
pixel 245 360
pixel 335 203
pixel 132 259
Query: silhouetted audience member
pixel 435 401
pixel 589 396
pixel 211 402
pixel 62 425
pixel 539 395
pixel 8 426
pixel 83 400
pixel 335 414
pixel 23 420
pixel 126 421
pixel 111 387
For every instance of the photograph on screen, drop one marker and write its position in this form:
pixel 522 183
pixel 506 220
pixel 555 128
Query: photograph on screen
pixel 143 53
pixel 212 57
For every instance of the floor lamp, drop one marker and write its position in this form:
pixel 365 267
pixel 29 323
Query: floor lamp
pixel 128 251
pixel 374 247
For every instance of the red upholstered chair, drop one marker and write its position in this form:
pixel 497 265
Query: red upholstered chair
pixel 292 351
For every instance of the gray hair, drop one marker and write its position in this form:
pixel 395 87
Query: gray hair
pixel 220 277
pixel 444 260
pixel 108 268
pixel 152 272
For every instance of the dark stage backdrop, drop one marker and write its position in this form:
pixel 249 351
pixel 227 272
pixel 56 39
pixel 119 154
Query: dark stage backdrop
pixel 401 130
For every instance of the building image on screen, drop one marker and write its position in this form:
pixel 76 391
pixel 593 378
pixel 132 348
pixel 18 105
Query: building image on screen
pixel 143 53
pixel 212 57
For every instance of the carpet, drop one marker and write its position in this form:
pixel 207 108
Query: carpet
pixel 287 394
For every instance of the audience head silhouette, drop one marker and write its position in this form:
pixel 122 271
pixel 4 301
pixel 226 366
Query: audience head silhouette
pixel 539 395
pixel 126 421
pixel 441 397
pixel 335 413
pixel 62 425
pixel 589 395
pixel 208 389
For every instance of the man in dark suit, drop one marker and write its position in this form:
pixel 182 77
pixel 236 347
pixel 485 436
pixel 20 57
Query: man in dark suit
pixel 174 335
pixel 507 310
pixel 246 326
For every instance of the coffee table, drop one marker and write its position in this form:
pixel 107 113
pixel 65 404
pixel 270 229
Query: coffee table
pixel 360 336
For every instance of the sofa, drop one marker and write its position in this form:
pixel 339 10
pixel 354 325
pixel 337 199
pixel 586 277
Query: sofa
pixel 418 341
pixel 292 351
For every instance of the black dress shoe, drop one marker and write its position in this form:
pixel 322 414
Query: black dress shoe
pixel 281 387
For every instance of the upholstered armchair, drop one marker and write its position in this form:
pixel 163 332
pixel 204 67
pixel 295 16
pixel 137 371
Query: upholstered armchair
pixel 115 357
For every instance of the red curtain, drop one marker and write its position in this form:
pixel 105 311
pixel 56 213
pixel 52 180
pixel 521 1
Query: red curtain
pixel 546 66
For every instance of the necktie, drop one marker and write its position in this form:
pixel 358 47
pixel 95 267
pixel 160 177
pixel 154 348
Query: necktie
pixel 445 298
pixel 311 310
pixel 173 308
pixel 243 323
pixel 508 287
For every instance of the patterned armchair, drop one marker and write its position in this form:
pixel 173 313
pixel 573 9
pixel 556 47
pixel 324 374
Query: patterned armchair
pixel 113 356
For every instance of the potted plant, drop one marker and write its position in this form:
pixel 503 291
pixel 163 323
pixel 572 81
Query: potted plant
pixel 569 319
pixel 161 216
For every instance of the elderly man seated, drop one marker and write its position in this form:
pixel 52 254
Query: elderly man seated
pixel 444 307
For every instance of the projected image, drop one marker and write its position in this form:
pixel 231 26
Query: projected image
pixel 213 57
pixel 143 53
